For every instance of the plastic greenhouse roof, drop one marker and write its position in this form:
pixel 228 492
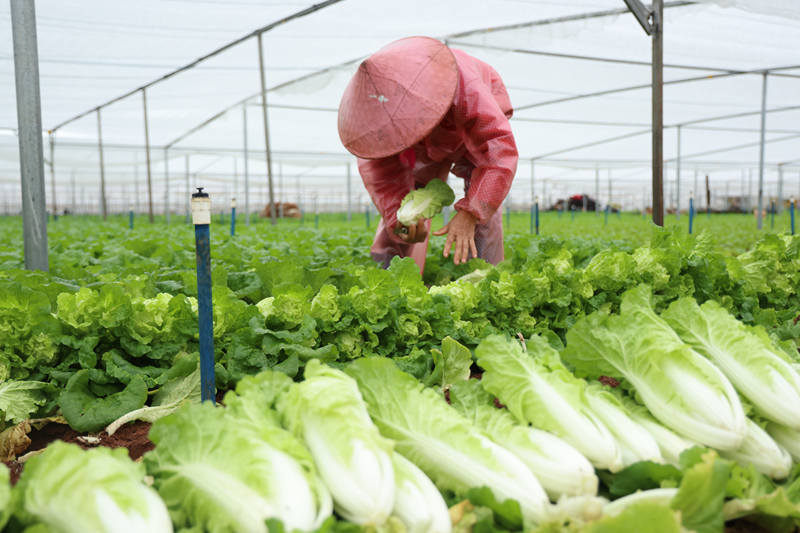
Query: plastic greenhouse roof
pixel 93 51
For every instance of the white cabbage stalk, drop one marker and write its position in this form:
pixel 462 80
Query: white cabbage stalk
pixel 452 452
pixel 787 437
pixel 680 387
pixel 560 468
pixel 760 450
pixel 326 410
pixel 69 490
pixel 636 443
pixel 746 355
pixel 670 443
pixel 417 502
pixel 539 390
pixel 662 496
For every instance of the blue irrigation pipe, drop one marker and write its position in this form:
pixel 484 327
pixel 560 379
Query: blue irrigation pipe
pixel 366 211
pixel 691 214
pixel 130 219
pixel 791 215
pixel 201 217
pixel 605 216
pixel 536 212
pixel 571 214
pixel 233 217
pixel 508 217
pixel 531 230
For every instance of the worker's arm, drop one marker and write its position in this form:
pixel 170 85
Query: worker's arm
pixel 492 151
pixel 388 181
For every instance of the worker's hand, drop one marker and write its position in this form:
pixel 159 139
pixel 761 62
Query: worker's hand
pixel 414 233
pixel 460 237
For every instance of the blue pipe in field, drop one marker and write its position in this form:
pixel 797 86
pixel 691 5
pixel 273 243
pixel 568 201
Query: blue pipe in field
pixel 233 217
pixel 201 217
pixel 691 214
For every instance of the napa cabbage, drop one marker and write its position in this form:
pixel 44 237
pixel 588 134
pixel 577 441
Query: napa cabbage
pixel 426 202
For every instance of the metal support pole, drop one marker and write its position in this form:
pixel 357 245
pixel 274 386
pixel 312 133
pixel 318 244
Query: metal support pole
pixel 136 180
pixel 691 211
pixel 188 189
pixel 268 151
pixel 29 121
pixel 596 190
pixel 74 192
pixel 150 214
pixel 791 214
pixel 246 166
pixel 761 150
pixel 708 198
pixel 366 211
pixel 605 218
pixel 658 111
pixel 678 178
pixel 53 173
pixel 349 193
pixel 201 217
pixel 780 189
pixel 166 185
pixel 103 202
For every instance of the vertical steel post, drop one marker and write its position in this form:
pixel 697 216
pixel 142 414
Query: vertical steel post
pixel 691 211
pixel 246 166
pixel 267 148
pixel 761 150
pixel 29 121
pixel 201 217
pixel 150 214
pixel 791 214
pixel 188 188
pixel 678 178
pixel 536 212
pixel 74 192
pixel 166 185
pixel 103 202
pixel 708 198
pixel 780 189
pixel 596 190
pixel 366 211
pixel 605 221
pixel 349 193
pixel 136 180
pixel 53 173
pixel 658 112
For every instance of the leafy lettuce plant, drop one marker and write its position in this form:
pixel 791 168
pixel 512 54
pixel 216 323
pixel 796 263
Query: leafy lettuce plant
pixel 426 202
pixel 443 443
pixel 560 468
pixel 69 490
pixel 680 387
pixel 327 412
pixel 745 354
pixel 539 390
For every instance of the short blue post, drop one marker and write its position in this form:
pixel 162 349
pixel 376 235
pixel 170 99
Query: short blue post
pixel 508 216
pixel 605 216
pixel 536 212
pixel 130 219
pixel 302 216
pixel 791 214
pixel 691 213
pixel 233 217
pixel 571 214
pixel 201 217
pixel 531 225
pixel 316 213
pixel 367 213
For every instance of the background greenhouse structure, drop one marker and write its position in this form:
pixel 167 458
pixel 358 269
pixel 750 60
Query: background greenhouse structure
pixel 117 76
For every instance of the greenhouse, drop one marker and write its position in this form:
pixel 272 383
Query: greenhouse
pixel 400 266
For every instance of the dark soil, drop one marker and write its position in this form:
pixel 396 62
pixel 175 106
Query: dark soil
pixel 132 436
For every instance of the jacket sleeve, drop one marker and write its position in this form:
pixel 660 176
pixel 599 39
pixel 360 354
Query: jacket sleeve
pixel 388 181
pixel 490 148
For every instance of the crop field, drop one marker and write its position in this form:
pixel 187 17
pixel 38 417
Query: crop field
pixel 607 374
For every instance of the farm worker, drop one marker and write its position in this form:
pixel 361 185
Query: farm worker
pixel 417 110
